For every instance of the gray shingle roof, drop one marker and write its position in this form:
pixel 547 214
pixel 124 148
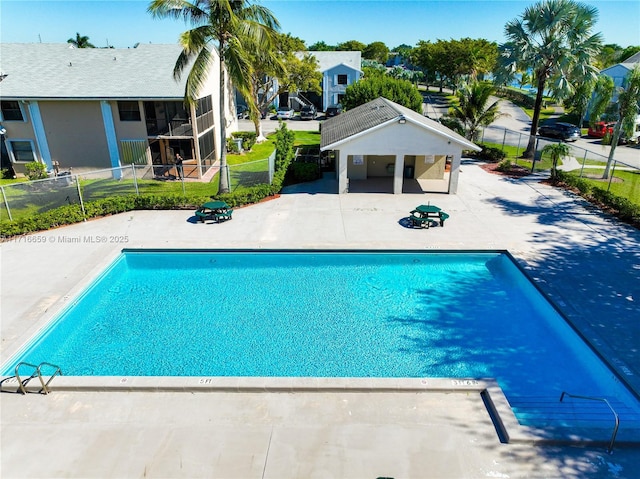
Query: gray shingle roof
pixel 42 71
pixel 327 60
pixel 376 113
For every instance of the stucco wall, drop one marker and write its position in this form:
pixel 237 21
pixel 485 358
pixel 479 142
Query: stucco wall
pixel 330 88
pixel 397 142
pixel 396 139
pixel 430 167
pixel 75 133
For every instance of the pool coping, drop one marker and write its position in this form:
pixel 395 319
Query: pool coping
pixel 507 427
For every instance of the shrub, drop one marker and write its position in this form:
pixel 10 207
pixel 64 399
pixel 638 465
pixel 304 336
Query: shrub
pixel 232 146
pixel 69 214
pixel 301 172
pixel 248 139
pixel 8 173
pixel 504 166
pixel 36 170
pixel 518 97
pixel 623 208
pixel 490 154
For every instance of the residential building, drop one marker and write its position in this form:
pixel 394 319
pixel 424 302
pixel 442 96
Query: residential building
pixel 339 70
pixel 619 71
pixel 95 108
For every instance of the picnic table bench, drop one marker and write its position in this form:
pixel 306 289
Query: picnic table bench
pixel 423 214
pixel 214 210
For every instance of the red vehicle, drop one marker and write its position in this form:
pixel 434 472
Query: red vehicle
pixel 600 129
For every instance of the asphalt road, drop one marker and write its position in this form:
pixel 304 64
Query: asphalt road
pixel 513 120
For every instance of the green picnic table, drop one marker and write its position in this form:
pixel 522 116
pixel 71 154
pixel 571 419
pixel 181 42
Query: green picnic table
pixel 422 215
pixel 214 210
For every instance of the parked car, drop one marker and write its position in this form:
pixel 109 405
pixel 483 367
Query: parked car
pixel 284 113
pixel 560 130
pixel 308 112
pixel 600 129
pixel 333 110
pixel 242 112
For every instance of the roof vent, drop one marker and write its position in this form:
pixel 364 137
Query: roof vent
pixel 70 64
pixel 114 59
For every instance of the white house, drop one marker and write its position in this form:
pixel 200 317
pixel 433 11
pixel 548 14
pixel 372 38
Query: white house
pixel 619 71
pixel 391 144
pixel 339 70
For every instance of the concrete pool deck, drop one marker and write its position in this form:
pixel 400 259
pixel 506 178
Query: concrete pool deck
pixel 588 263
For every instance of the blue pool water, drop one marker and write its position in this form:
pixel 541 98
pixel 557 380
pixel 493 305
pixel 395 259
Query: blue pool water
pixel 322 314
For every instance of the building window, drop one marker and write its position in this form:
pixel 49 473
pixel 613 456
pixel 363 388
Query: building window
pixel 204 113
pixel 129 110
pixel 342 79
pixel 21 150
pixel 207 146
pixel 11 111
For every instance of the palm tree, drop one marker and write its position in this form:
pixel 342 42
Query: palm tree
pixel 472 110
pixel 81 41
pixel 626 108
pixel 556 151
pixel 552 38
pixel 223 23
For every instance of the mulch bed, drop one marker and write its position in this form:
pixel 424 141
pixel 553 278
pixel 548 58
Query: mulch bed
pixel 515 171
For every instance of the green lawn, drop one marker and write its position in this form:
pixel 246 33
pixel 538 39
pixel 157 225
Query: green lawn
pixel 624 183
pixel 245 168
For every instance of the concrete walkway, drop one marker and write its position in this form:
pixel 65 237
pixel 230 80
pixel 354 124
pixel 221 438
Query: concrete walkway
pixel 587 262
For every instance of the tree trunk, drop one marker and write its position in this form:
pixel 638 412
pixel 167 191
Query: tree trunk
pixel 223 185
pixel 614 143
pixel 257 124
pixel 531 146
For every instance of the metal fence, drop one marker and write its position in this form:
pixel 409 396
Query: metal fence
pixel 623 178
pixel 32 197
pixel 252 173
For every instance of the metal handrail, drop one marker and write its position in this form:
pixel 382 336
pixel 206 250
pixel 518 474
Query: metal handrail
pixel 37 372
pixel 615 415
pixel 57 371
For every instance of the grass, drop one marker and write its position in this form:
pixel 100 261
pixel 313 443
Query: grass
pixel 513 153
pixel 245 168
pixel 625 183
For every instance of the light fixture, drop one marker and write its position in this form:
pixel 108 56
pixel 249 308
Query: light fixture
pixel 402 120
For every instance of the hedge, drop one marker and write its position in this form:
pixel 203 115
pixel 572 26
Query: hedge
pixel 70 214
pixel 621 207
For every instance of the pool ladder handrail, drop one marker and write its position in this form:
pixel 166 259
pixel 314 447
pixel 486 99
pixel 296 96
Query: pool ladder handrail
pixel 37 372
pixel 615 415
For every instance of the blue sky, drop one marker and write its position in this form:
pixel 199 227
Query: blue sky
pixel 125 23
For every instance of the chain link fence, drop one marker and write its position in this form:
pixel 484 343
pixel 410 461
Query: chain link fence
pixel 32 197
pixel 622 177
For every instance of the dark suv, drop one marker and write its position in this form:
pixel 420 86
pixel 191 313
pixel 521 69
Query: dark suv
pixel 560 130
pixel 308 112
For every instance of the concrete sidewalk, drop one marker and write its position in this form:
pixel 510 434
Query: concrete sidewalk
pixel 587 262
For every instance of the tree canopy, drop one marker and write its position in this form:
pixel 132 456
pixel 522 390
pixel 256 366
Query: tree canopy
pixel 448 62
pixel 402 92
pixel 230 25
pixel 80 41
pixel 554 39
pixel 377 51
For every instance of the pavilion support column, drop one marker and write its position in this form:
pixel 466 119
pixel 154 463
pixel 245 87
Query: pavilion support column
pixel 341 174
pixel 454 173
pixel 398 174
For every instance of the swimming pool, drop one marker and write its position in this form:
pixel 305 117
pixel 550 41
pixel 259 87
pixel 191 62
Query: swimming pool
pixel 324 314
